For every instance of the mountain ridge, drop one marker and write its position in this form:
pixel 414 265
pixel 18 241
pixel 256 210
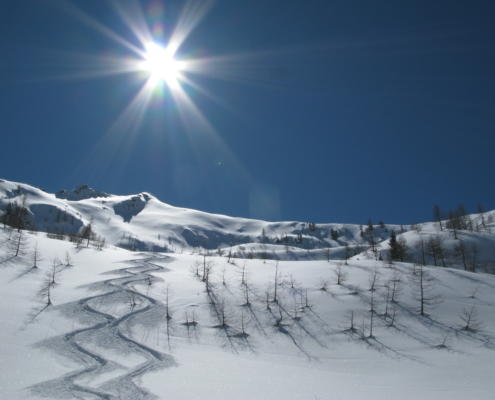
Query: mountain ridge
pixel 142 222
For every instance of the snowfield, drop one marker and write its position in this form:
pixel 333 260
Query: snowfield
pixel 178 319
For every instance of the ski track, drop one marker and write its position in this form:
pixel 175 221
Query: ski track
pixel 109 333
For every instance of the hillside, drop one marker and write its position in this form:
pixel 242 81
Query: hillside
pixel 142 222
pixel 92 321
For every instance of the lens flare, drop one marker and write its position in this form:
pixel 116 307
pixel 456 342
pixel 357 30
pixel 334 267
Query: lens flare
pixel 156 55
pixel 162 65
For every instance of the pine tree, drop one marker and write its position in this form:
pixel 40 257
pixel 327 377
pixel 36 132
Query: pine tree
pixel 394 251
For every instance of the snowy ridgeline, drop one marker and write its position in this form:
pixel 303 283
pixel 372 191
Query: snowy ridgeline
pixel 108 323
pixel 143 223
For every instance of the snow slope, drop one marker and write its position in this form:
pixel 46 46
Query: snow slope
pixel 94 343
pixel 106 334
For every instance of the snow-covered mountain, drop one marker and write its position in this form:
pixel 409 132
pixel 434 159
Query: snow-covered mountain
pixel 209 306
pixel 142 222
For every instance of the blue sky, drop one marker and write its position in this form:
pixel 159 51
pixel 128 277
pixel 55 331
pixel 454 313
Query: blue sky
pixel 324 111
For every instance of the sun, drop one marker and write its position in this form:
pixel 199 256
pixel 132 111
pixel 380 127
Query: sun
pixel 161 64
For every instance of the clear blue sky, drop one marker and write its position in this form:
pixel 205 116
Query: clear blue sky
pixel 325 111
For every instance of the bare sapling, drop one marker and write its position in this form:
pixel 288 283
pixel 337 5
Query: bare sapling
pixel 68 259
pixel 268 294
pixel 36 255
pixel 341 273
pixel 470 318
pixel 323 284
pixel 55 270
pixel 168 310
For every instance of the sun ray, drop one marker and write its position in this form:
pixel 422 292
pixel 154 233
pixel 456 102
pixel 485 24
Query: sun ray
pixel 196 123
pixel 159 62
pixel 211 96
pixel 116 144
pixel 132 14
pixel 194 11
pixel 82 16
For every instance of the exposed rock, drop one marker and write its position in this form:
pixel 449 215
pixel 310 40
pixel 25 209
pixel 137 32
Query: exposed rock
pixel 80 193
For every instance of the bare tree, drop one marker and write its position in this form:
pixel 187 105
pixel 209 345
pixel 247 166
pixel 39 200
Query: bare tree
pixel 88 231
pixel 306 302
pixel 55 269
pixel 327 253
pixel 223 275
pixel 15 215
pixel 341 273
pixel 44 293
pixel 396 286
pixel 388 288
pixel 460 253
pixel 393 289
pixel 276 281
pixel 393 313
pixel 421 245
pixel 416 227
pixel 242 327
pixel 243 273
pixel 442 251
pixel 474 257
pixel 323 284
pixel 438 216
pixel 246 290
pixel 36 255
pixel 370 235
pixel 424 288
pixel 373 280
pixel 205 276
pixel 279 320
pixel 75 238
pixel 268 294
pixel 207 271
pixel 189 319
pixel 435 249
pixel 473 294
pixel 347 253
pixel 445 339
pixel 403 248
pixel 481 212
pixel 167 302
pixel 18 244
pixel 362 328
pixel 451 223
pixel 292 281
pixel 296 310
pixel 149 283
pixel 100 242
pixel 350 317
pixel 471 319
pixel 225 314
pixel 431 249
pixel 68 259
pixel 195 268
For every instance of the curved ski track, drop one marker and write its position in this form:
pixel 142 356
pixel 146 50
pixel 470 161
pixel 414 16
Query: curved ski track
pixel 100 377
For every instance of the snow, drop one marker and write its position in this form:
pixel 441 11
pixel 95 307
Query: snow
pixel 106 334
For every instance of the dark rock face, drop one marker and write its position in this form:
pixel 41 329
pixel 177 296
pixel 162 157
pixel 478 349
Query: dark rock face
pixel 80 193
